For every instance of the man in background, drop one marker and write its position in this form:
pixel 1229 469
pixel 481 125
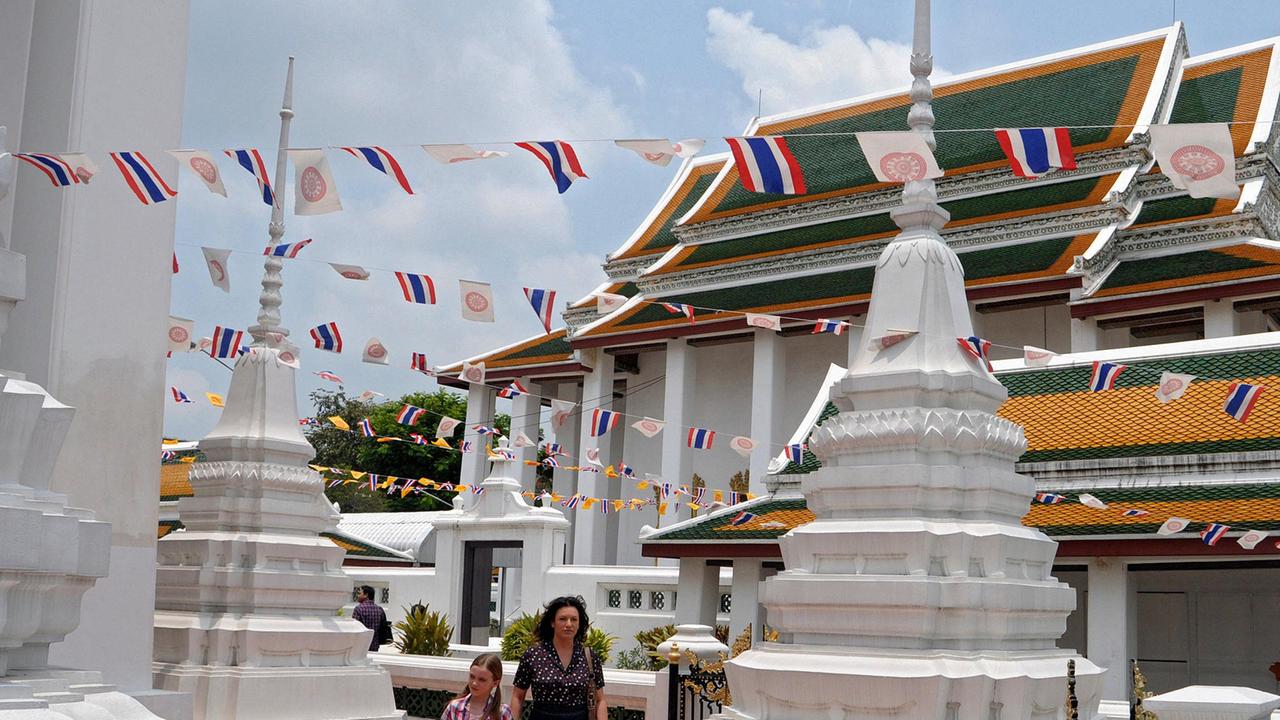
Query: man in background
pixel 370 615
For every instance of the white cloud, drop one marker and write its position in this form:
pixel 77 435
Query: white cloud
pixel 830 63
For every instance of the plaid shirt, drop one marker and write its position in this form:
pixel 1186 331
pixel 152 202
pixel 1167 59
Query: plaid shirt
pixel 371 616
pixel 458 710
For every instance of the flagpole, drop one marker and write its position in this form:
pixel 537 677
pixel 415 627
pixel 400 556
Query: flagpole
pixel 269 300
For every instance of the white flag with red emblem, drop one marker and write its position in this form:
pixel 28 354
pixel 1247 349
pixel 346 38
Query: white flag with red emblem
pixel 648 426
pixel 898 157
pixel 477 300
pixel 608 302
pixel 473 372
pixel 449 154
pixel 1173 525
pixel 1172 385
pixel 201 163
pixel 1037 357
pixel 561 410
pixel 768 322
pixel 661 152
pixel 375 352
pixel 350 272
pixel 1197 157
pixel 314 191
pixel 180 334
pixel 1250 539
pixel 216 259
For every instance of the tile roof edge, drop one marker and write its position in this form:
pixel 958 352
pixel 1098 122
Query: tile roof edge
pixel 682 174
pixel 1187 348
pixel 655 535
pixel 457 366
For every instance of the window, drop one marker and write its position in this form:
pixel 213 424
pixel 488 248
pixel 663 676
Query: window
pixel 635 599
pixel 726 602
pixel 657 600
pixel 615 598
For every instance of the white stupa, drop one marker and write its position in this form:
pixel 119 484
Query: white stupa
pixel 916 594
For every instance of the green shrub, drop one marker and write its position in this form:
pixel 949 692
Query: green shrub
pixel 634 659
pixel 423 632
pixel 650 639
pixel 523 633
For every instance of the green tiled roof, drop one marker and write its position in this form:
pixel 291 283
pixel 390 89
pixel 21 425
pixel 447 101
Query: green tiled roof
pixel 664 238
pixel 963 209
pixel 1013 259
pixel 810 462
pixel 1174 208
pixel 1172 267
pixel 552 346
pixel 713 527
pixel 1227 366
pixel 1087 95
pixel 1209 98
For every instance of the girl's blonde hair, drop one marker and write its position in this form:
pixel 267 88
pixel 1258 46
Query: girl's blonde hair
pixel 492 705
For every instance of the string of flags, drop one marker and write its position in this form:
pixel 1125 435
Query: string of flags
pixel 1197 158
pixel 1210 534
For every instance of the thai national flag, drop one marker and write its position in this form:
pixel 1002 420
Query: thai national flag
pixel 701 438
pixel 543 302
pixel 766 165
pixel 1134 512
pixel 485 430
pixel 977 348
pixel 1104 375
pixel 250 160
pixel 308 422
pixel 514 390
pixel 795 452
pixel 1050 498
pixel 286 250
pixel 554 449
pixel 142 178
pixel 742 518
pixel 167 455
pixel 679 309
pixel 419 363
pixel 835 327
pixel 551 462
pixel 1241 397
pixel 571 502
pixel 226 342
pixel 626 470
pixel 327 337
pixel 560 160
pixel 58 171
pixel 1034 151
pixel 466 446
pixel 1213 533
pixel 178 395
pixel 417 288
pixel 383 162
pixel 366 428
pixel 409 414
pixel 602 421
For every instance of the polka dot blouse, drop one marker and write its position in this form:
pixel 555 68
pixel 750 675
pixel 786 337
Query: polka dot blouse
pixel 553 683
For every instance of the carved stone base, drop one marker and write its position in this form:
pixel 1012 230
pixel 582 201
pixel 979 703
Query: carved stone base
pixel 58 694
pixel 283 693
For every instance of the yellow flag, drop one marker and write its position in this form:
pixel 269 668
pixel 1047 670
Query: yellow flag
pixel 460 488
pixel 388 439
pixel 357 474
pixel 618 505
pixel 718 495
pixel 318 468
pixel 408 488
pixel 694 506
pixel 751 496
pixel 440 442
pixel 528 494
pixel 662 508
pixel 169 441
pixel 642 485
pixel 348 481
pixel 215 400
pixel 587 503
pixel 531 462
pixel 187 459
pixel 610 472
pixel 556 498
pixel 386 483
pixel 339 423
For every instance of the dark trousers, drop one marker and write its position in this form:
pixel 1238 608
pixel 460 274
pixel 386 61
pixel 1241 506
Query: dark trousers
pixel 544 711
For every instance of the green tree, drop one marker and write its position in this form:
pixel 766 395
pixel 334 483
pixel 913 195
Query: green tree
pixel 351 451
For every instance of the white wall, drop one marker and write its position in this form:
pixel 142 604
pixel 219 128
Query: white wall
pixel 1044 327
pixel 92 327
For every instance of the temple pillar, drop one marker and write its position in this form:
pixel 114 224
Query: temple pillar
pixel 698 592
pixel 1084 335
pixel 745 607
pixel 526 412
pixel 677 406
pixel 768 376
pixel 480 402
pixel 1111 613
pixel 589 527
pixel 1220 319
pixel 565 481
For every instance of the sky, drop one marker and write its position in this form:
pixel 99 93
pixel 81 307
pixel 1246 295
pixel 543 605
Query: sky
pixel 402 74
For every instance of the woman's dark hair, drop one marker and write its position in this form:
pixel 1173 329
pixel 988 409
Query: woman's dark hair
pixel 546 623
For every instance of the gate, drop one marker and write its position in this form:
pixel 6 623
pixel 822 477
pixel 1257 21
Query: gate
pixel 698 694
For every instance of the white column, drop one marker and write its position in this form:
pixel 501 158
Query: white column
pixel 589 526
pixel 1084 335
pixel 564 481
pixel 854 335
pixel 677 407
pixel 698 592
pixel 475 465
pixel 1111 616
pixel 1220 319
pixel 526 411
pixel 768 375
pixel 745 608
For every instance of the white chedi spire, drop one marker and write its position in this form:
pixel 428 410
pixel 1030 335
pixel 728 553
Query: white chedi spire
pixel 916 593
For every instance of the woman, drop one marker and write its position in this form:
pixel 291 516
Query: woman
pixel 566 677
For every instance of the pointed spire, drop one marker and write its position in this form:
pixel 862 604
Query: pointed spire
pixel 268 331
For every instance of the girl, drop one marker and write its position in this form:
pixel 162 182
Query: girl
pixel 482 699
